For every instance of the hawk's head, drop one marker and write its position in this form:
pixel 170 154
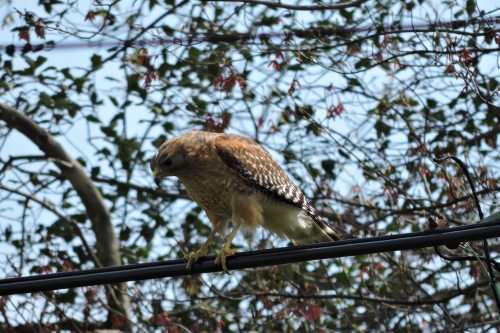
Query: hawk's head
pixel 169 160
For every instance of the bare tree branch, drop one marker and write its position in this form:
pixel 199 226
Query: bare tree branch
pixel 61 216
pixel 442 297
pixel 157 192
pixel 271 4
pixel 106 241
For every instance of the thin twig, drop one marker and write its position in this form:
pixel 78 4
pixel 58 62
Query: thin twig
pixel 271 4
pixel 493 282
pixel 61 216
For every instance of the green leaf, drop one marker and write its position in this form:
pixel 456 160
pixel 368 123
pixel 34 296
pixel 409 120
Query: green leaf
pixel 363 63
pixel 492 84
pixel 470 7
pixel 94 172
pixel 81 218
pixel 96 61
pixel 382 128
pixel 193 53
pixel 113 100
pixel 65 297
pixel 431 103
pixel 109 131
pixel 328 166
pixel 304 112
pixel 93 119
pixel 46 100
pixel 39 61
pixel 62 229
pixel 10 49
pixel 347 14
pixel 81 161
pixel 314 129
pixel 79 82
pixel 344 154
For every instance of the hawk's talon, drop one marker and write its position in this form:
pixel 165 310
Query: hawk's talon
pixel 193 257
pixel 222 258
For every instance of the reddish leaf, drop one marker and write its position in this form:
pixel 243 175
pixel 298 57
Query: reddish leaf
pixel 39 28
pixel 364 271
pixel 90 294
pixel 279 315
pixel 90 16
pixel 149 78
pixel 476 271
pixel 391 192
pixel 482 170
pixel 425 171
pixel 490 143
pixel 466 57
pixel 226 119
pixel 68 266
pixel 397 64
pixel 450 69
pixel 275 64
pixel 24 34
pixel 260 122
pixel 295 83
pixel 278 54
pixel 173 329
pixel 214 125
pixel 40 32
pixel 227 84
pixel 118 321
pixel 274 129
pixel 335 111
pixel 313 312
pixel 227 79
pixel 160 319
pixel 242 83
pixel 44 269
pixel 356 189
pixel 3 301
pixel 218 80
pixel 143 57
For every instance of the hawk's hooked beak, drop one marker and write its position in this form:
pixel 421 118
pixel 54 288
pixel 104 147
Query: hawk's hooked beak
pixel 157 179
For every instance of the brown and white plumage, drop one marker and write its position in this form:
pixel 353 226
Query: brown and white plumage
pixel 233 178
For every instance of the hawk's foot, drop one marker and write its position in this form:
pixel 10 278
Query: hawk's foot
pixel 221 259
pixel 192 257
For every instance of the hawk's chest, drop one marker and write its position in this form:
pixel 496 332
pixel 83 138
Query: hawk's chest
pixel 213 190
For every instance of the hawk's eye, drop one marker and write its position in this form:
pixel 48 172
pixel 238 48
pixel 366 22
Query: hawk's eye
pixel 167 162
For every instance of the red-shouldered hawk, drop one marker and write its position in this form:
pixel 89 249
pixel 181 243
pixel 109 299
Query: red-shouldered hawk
pixel 233 178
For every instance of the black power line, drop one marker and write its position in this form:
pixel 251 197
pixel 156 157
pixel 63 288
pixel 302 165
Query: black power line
pixel 278 256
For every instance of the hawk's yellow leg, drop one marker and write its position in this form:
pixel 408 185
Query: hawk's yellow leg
pixel 226 251
pixel 192 257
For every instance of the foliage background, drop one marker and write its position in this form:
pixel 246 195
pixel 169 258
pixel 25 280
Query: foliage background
pixel 355 115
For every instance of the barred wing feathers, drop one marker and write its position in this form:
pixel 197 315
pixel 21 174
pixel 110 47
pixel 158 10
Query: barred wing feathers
pixel 255 165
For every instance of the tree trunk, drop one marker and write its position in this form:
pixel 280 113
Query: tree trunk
pixel 106 241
